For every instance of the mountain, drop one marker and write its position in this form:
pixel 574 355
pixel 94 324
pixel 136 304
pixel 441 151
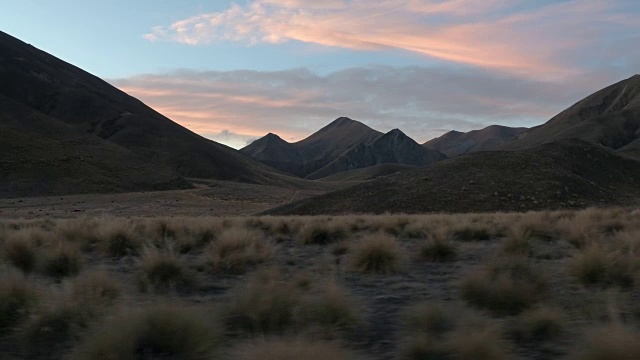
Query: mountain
pixel 40 156
pixel 609 117
pixel 569 173
pixel 456 143
pixel 60 91
pixel 393 147
pixel 307 156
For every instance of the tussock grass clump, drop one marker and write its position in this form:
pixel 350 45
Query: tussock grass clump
pixel 95 288
pixel 318 232
pixel 286 349
pixel 238 250
pixel 52 329
pixel 609 264
pixel 479 344
pixel 378 253
pixel 614 341
pixel 268 305
pixel 433 331
pixel 329 308
pixel 120 241
pixel 439 248
pixel 63 260
pixel 264 305
pixel 540 324
pixel 518 241
pixel 20 253
pixel 167 332
pixel 472 232
pixel 164 271
pixel 506 286
pixel 18 297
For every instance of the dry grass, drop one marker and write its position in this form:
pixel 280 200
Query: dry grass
pixel 18 298
pixel 321 232
pixel 62 260
pixel 20 250
pixel 439 248
pixel 287 349
pixel 378 254
pixel 163 271
pixel 161 332
pixel 613 341
pixel 90 312
pixel 538 324
pixel 505 286
pixel 238 250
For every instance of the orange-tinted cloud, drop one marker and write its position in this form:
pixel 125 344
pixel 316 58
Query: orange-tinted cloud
pixel 515 36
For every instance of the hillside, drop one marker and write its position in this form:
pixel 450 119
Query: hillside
pixel 312 153
pixel 365 174
pixel 393 147
pixel 456 143
pixel 609 117
pixel 64 92
pixel 566 174
pixel 42 156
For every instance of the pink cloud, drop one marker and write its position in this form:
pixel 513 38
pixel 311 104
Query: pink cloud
pixel 487 34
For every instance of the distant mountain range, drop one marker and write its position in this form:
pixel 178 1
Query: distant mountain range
pixel 343 145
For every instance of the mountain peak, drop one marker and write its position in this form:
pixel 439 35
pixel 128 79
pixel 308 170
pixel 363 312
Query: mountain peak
pixel 396 132
pixel 342 121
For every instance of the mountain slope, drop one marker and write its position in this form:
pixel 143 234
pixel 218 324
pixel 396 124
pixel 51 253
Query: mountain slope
pixel 456 143
pixel 393 147
pixel 308 155
pixel 41 156
pixel 66 93
pixel 565 174
pixel 609 117
pixel 366 174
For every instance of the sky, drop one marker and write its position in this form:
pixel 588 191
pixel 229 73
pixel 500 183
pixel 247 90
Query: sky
pixel 234 71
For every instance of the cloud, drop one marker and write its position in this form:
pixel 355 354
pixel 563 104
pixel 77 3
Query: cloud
pixel 533 39
pixel 235 106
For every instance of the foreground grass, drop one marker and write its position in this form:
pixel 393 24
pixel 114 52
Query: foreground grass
pixel 479 286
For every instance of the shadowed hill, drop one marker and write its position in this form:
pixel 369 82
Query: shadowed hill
pixel 365 174
pixel 393 147
pixel 42 156
pixel 312 153
pixel 456 143
pixel 64 92
pixel 609 117
pixel 566 174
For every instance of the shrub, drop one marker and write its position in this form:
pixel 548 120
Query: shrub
pixel 162 271
pixel 285 349
pixel 63 260
pixel 507 286
pixel 167 332
pixel 17 299
pixel 379 254
pixel 237 250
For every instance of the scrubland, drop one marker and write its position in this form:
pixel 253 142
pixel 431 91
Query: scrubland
pixel 539 285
